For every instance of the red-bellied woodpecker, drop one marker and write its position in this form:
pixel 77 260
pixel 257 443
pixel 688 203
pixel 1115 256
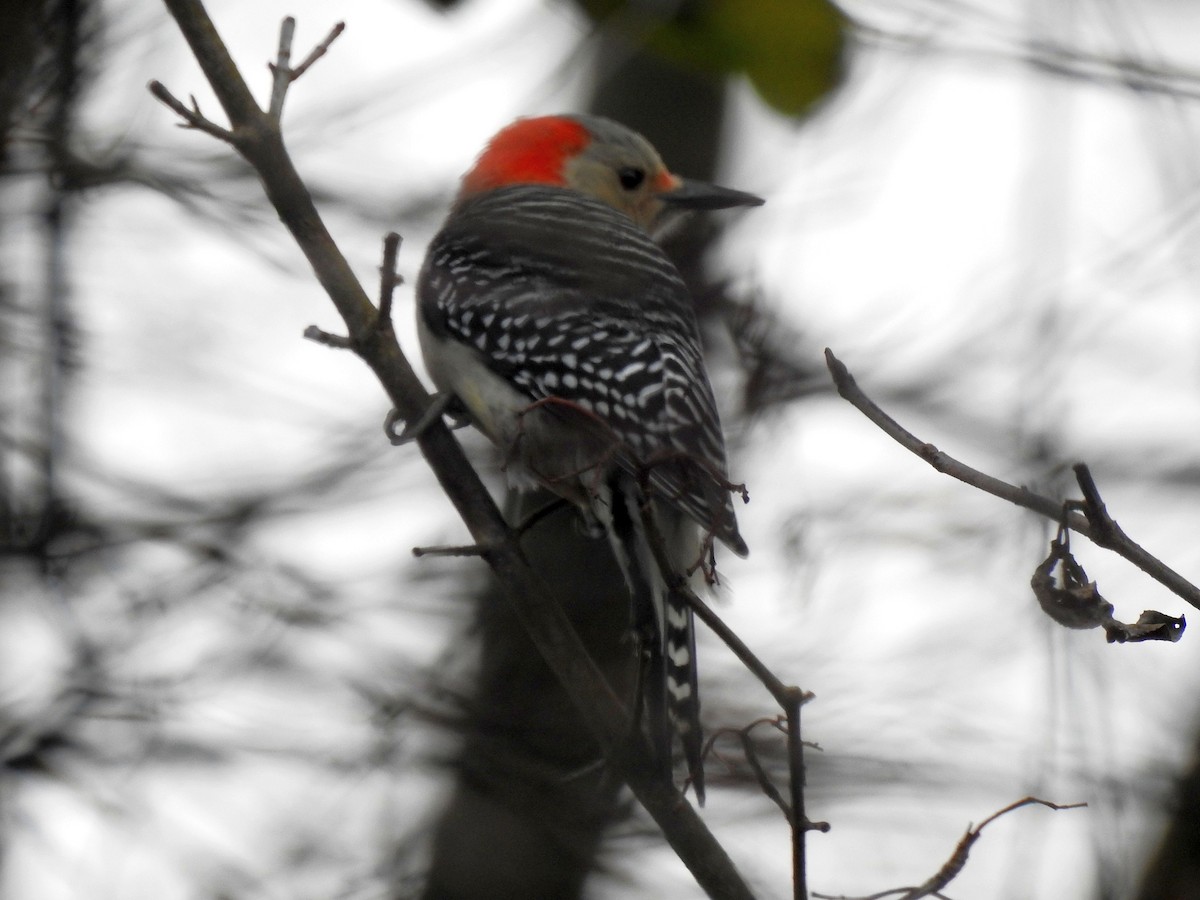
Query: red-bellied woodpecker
pixel 568 337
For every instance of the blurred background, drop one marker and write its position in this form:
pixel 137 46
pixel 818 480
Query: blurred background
pixel 222 672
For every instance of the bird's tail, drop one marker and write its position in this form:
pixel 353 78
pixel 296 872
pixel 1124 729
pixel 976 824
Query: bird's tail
pixel 683 689
pixel 664 624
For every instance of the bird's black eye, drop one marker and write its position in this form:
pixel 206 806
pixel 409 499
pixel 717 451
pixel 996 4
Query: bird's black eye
pixel 631 178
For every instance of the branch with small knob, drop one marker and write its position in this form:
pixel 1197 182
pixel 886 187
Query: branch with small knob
pixel 1068 596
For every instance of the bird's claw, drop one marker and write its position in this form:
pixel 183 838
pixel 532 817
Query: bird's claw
pixel 440 404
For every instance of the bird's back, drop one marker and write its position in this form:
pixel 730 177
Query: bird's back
pixel 564 297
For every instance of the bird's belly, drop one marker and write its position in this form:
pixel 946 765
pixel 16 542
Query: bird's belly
pixel 548 443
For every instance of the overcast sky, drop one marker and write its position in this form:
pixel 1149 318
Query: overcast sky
pixel 1003 254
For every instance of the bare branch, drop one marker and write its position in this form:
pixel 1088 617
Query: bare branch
pixel 789 697
pixel 283 74
pixel 192 118
pixel 780 691
pixel 957 860
pixel 1027 801
pixel 797 777
pixel 318 51
pixel 389 278
pixel 315 334
pixel 750 754
pixel 539 514
pixel 281 68
pixel 1096 525
pixel 461 550
pixel 543 618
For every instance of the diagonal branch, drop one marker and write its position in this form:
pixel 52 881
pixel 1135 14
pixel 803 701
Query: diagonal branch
pixel 1096 524
pixel 257 138
pixel 318 51
pixel 789 697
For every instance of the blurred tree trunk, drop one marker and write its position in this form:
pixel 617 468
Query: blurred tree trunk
pixel 533 796
pixel 20 46
pixel 1173 871
pixel 40 76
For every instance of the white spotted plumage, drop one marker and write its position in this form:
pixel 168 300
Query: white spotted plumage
pixel 547 310
pixel 609 285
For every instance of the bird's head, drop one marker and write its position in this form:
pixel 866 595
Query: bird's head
pixel 596 157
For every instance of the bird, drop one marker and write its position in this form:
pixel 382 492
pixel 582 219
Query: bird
pixel 549 315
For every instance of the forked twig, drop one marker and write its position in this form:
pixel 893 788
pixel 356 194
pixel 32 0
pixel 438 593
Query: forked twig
pixel 192 117
pixel 389 278
pixel 283 74
pixel 745 740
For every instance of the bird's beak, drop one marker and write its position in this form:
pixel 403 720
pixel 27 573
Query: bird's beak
pixel 698 195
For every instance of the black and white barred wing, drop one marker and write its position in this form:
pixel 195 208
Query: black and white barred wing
pixel 590 318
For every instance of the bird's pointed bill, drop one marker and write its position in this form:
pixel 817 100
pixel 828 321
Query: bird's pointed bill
pixel 699 195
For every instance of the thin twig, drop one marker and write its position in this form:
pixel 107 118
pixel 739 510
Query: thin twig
pixel 877 896
pixel 318 51
pixel 546 509
pixel 316 335
pixel 750 755
pixel 678 585
pixel 958 859
pixel 1103 532
pixel 780 691
pixel 389 278
pixel 796 782
pixel 789 697
pixel 281 69
pixel 283 75
pixel 192 118
pixel 459 550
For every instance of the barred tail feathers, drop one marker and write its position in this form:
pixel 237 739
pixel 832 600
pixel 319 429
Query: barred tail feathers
pixel 663 622
pixel 683 690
